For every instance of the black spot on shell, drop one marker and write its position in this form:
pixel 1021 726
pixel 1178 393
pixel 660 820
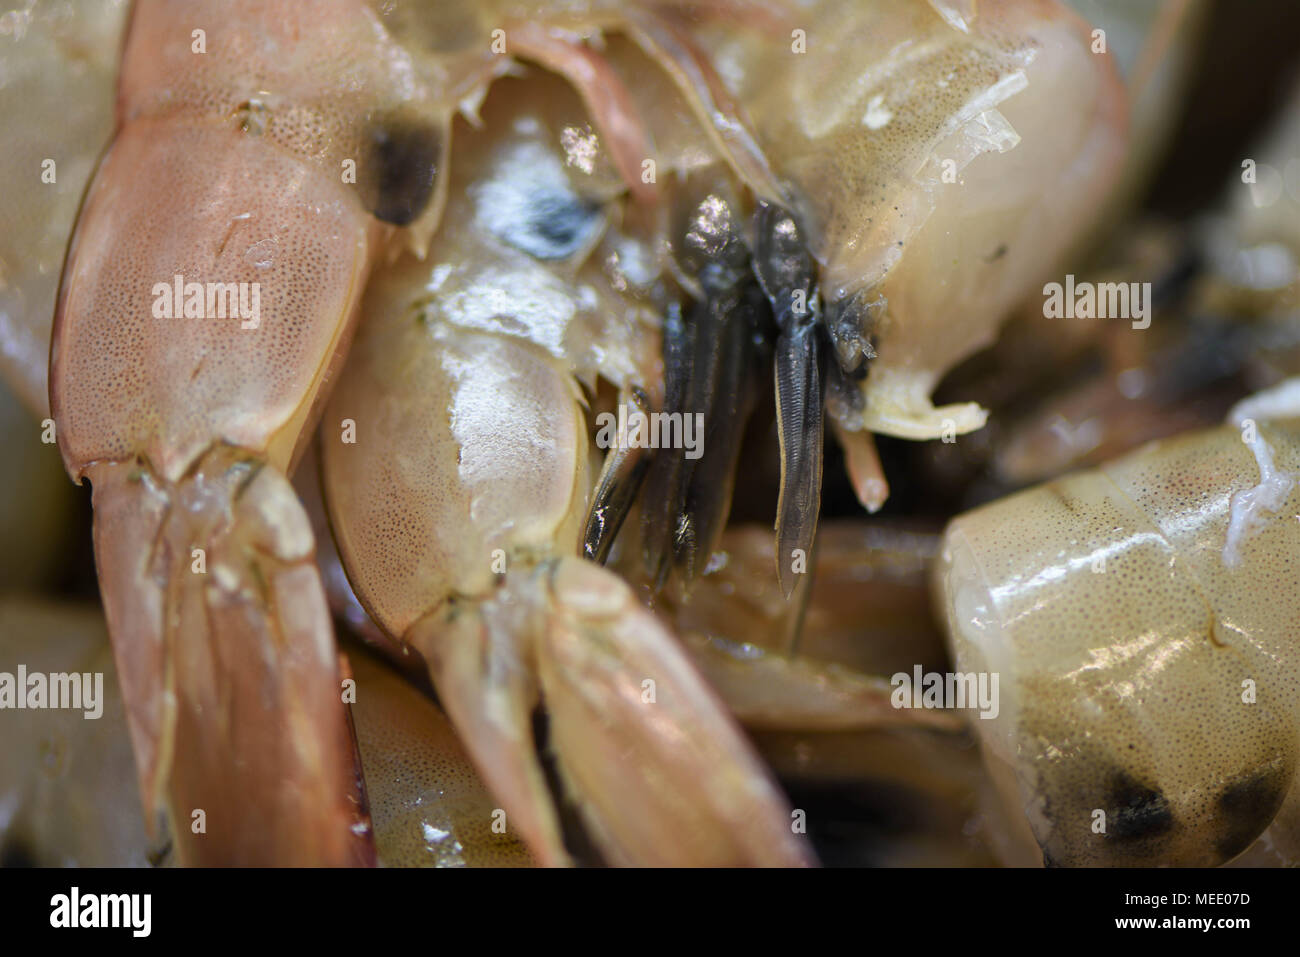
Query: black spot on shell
pixel 557 226
pixel 399 169
pixel 1248 805
pixel 1139 812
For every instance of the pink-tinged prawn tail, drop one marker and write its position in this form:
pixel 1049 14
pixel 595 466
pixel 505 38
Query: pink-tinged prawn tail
pixel 659 771
pixel 660 751
pixel 206 303
pixel 227 664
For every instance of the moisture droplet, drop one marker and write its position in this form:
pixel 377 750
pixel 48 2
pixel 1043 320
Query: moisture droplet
pixel 434 835
pixel 252 116
pixel 261 254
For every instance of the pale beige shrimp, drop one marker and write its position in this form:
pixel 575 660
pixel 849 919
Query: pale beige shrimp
pixel 56 105
pixel 1141 617
pixel 460 504
pixel 386 98
pixel 427 804
pixel 265 157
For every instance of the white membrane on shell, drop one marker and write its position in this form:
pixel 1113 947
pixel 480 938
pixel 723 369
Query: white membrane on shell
pixel 1275 485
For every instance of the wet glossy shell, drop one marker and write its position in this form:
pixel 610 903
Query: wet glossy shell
pixel 1143 678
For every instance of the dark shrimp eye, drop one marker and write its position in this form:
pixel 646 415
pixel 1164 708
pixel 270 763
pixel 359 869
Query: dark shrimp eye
pixel 1139 812
pixel 399 167
pixel 555 225
pixel 526 200
pixel 1248 805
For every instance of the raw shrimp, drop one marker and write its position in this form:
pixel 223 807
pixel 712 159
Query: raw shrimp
pixel 265 157
pixel 234 123
pixel 930 167
pixel 1141 617
pixel 941 163
pixel 459 505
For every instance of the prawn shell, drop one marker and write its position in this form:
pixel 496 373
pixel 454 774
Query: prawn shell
pixel 1148 707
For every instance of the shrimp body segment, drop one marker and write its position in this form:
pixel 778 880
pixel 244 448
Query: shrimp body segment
pixel 1142 618
pixel 186 408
